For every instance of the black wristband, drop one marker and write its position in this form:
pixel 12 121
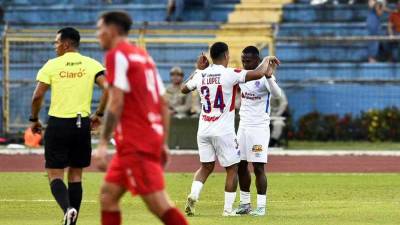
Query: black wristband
pixel 33 120
pixel 99 114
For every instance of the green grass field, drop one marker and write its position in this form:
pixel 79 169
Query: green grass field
pixel 296 199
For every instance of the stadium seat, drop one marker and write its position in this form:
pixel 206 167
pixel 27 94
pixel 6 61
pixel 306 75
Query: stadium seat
pixel 326 13
pixel 323 29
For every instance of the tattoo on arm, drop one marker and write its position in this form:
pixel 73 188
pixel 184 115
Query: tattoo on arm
pixel 110 122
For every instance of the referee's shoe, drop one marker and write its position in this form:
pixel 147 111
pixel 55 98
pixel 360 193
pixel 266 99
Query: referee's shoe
pixel 70 216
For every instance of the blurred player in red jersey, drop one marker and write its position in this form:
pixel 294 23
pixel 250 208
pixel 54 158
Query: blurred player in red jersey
pixel 138 114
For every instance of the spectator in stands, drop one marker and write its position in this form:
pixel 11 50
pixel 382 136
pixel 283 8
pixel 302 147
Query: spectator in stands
pixel 180 104
pixel 394 30
pixel 175 9
pixel 376 10
pixel 279 113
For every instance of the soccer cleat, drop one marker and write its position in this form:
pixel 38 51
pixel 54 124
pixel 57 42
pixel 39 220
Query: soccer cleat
pixel 244 209
pixel 229 213
pixel 70 216
pixel 259 211
pixel 189 207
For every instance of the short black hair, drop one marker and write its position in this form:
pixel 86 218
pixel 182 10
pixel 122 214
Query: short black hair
pixel 251 50
pixel 120 19
pixel 218 50
pixel 71 34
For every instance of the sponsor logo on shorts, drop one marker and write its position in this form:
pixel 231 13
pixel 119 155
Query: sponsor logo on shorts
pixel 257 148
pixel 258 155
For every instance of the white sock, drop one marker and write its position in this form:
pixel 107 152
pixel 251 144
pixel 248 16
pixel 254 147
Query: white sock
pixel 244 197
pixel 261 201
pixel 196 189
pixel 229 200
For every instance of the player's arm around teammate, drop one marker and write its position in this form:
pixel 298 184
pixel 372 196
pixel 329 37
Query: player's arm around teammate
pixel 213 143
pixel 71 77
pixel 268 64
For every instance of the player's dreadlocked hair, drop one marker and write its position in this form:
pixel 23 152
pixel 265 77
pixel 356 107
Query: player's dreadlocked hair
pixel 251 50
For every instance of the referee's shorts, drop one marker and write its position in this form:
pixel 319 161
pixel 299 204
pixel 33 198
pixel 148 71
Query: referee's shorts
pixel 66 145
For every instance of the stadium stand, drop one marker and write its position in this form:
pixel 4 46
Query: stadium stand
pixel 37 13
pixel 316 76
pixel 45 18
pixel 331 77
pixel 28 14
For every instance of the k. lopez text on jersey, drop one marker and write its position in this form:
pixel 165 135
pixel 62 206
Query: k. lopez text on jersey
pixel 211 79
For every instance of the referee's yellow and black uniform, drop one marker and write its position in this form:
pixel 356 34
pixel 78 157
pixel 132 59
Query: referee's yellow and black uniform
pixel 71 78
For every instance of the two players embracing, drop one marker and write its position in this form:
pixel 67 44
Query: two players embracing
pixel 217 86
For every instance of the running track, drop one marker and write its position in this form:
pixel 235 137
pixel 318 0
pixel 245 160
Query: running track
pixel 277 163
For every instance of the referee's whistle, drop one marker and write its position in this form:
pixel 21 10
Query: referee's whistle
pixel 79 120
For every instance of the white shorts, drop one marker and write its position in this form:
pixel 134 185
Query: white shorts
pixel 224 147
pixel 253 143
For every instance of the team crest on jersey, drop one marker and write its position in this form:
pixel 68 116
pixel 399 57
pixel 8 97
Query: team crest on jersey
pixel 257 148
pixel 257 84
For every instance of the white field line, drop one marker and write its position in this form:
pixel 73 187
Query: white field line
pixel 273 152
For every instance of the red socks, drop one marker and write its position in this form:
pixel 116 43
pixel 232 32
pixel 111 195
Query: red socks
pixel 173 217
pixel 110 218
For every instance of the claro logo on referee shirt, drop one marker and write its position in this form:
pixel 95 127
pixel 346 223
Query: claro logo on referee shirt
pixel 68 74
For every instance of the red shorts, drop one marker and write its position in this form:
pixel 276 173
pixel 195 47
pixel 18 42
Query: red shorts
pixel 139 173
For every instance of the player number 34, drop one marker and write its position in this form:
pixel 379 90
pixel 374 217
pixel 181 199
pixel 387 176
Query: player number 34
pixel 218 101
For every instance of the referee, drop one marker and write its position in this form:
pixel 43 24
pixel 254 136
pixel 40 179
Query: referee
pixel 71 77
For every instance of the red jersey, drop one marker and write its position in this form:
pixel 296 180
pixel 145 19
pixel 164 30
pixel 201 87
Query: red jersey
pixel 132 70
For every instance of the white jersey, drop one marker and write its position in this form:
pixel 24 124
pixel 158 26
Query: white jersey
pixel 217 87
pixel 255 103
